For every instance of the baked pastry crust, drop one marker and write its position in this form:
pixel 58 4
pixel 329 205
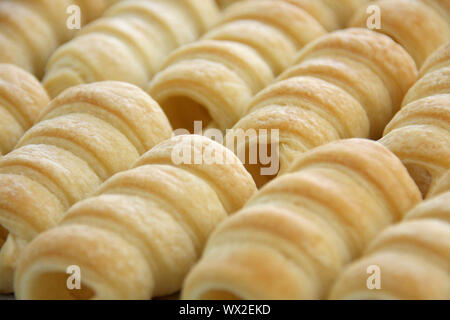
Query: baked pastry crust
pixel 443 185
pixel 225 3
pixel 83 137
pixel 419 136
pixel 420 133
pixel 129 43
pixel 421 27
pixel 438 60
pixel 345 84
pixel 434 76
pixel 331 14
pixel 270 44
pixel 22 98
pixel 413 258
pixel 292 239
pixel 34 29
pixel 142 231
pixel 213 79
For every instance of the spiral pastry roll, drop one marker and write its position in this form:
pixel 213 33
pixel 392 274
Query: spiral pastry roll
pixel 31 30
pixel 87 134
pixel 22 98
pixel 345 84
pixel 420 136
pixel 421 27
pixel 212 80
pixel 434 76
pixel 412 258
pixel 129 43
pixel 420 133
pixel 296 234
pixel 143 230
pixel 443 185
pixel 330 13
pixel 440 59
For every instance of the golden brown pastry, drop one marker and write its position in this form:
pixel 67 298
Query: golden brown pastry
pixel 213 79
pixel 420 136
pixel 85 135
pixel 420 27
pixel 225 3
pixel 443 185
pixel 30 30
pixel 142 231
pixel 420 133
pixel 331 14
pixel 438 60
pixel 129 43
pixel 296 234
pixel 22 98
pixel 433 83
pixel 413 258
pixel 434 76
pixel 441 6
pixel 345 84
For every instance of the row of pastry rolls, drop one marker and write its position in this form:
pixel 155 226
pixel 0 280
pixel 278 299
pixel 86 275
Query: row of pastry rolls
pixel 372 69
pixel 371 85
pixel 231 265
pixel 30 30
pixel 142 231
pixel 330 13
pixel 420 26
pixel 129 43
pixel 292 239
pixel 212 80
pixel 345 84
pixel 22 98
pixel 413 256
pixel 420 133
pixel 84 136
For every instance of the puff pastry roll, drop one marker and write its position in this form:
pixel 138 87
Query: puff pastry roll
pixel 85 135
pixel 420 27
pixel 129 43
pixel 213 79
pixel 345 84
pixel 142 231
pixel 291 240
pixel 413 258
pixel 443 185
pixel 434 76
pixel 330 13
pixel 420 133
pixel 420 136
pixel 22 98
pixel 438 60
pixel 31 30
